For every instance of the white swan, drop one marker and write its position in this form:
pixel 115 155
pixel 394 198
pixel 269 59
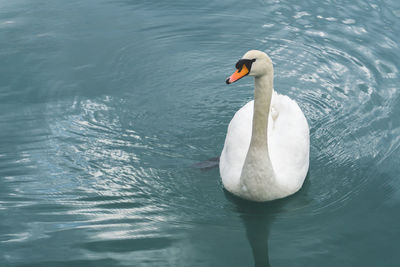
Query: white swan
pixel 266 150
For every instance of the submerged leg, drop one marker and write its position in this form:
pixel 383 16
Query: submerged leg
pixel 207 164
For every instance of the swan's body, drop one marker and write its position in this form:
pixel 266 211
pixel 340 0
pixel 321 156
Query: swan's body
pixel 266 150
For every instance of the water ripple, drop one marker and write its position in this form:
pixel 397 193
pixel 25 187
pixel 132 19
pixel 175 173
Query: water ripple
pixel 100 127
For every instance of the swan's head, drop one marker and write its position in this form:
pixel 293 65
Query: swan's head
pixel 253 63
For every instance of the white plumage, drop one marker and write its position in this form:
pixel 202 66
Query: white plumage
pixel 257 170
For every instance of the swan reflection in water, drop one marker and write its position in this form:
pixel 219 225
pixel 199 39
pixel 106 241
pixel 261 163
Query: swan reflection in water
pixel 257 218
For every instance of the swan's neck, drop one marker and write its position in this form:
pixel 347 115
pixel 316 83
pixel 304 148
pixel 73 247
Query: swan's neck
pixel 257 180
pixel 262 103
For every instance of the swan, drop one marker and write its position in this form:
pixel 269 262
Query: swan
pixel 266 149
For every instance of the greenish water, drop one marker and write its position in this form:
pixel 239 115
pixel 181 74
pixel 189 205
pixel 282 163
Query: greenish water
pixel 106 106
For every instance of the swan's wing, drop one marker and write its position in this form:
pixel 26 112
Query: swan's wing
pixel 288 142
pixel 236 145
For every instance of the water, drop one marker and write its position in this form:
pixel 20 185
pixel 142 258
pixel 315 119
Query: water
pixel 107 106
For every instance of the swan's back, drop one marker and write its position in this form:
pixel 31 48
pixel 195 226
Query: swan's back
pixel 288 144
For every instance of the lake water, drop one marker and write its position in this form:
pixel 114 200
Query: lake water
pixel 106 106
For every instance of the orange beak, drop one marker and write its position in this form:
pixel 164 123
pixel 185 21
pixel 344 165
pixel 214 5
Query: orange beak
pixel 239 74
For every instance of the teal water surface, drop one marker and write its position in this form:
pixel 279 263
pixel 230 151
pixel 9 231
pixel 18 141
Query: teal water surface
pixel 106 106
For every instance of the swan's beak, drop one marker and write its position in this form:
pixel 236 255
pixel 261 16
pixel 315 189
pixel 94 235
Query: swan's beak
pixel 239 74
